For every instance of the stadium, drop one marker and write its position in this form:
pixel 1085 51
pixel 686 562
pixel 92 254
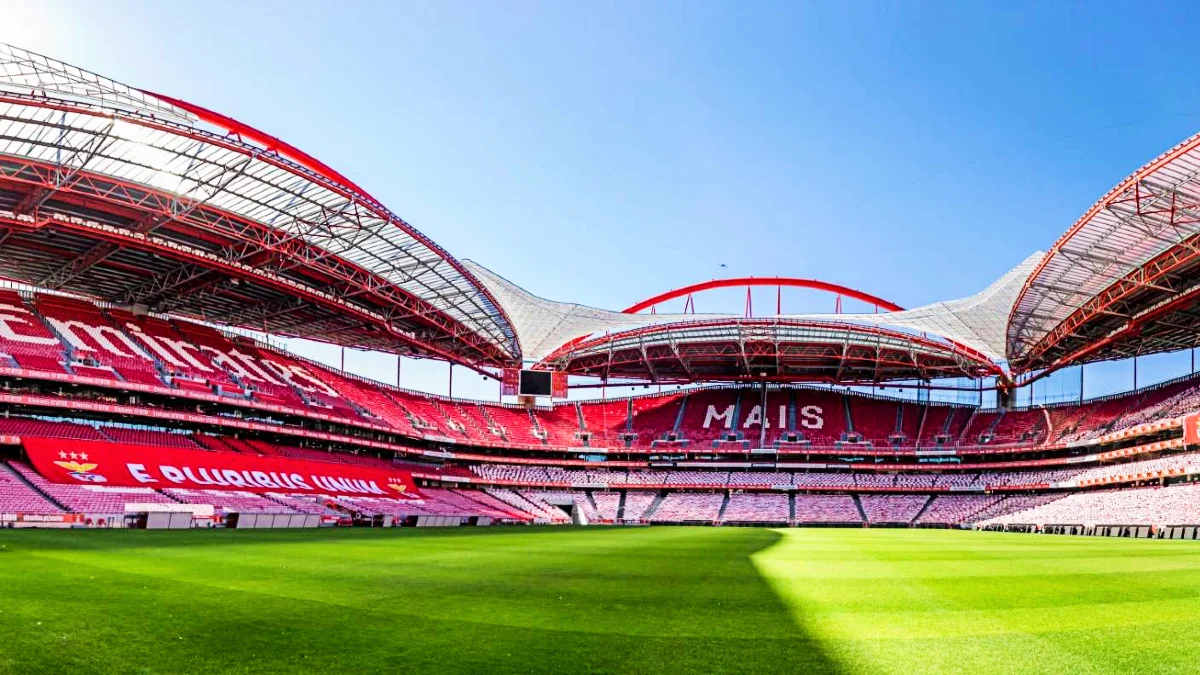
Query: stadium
pixel 153 434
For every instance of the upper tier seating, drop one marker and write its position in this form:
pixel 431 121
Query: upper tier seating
pixel 515 424
pixel 713 415
pixel 28 426
pixel 874 419
pixel 821 416
pixel 26 338
pixel 1020 426
pixel 912 418
pixel 560 424
pixel 92 339
pixel 654 417
pixel 181 360
pixel 150 437
pixel 1074 422
pixel 606 421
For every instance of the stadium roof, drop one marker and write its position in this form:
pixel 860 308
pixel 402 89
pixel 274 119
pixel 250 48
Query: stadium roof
pixel 1123 280
pixel 143 200
pixel 963 337
pixel 139 199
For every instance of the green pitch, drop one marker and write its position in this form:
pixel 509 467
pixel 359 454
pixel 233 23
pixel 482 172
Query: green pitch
pixel 649 600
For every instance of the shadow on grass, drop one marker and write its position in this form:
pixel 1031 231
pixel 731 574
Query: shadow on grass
pixel 644 600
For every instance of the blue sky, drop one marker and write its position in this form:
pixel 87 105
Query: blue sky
pixel 605 152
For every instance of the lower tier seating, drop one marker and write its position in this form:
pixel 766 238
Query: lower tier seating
pixel 1175 505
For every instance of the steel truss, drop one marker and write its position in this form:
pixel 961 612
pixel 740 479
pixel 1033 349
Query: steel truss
pixel 240 212
pixel 770 350
pixel 1123 280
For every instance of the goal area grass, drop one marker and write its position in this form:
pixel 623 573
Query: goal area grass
pixel 595 600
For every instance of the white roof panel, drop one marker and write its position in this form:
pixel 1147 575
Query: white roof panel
pixel 978 321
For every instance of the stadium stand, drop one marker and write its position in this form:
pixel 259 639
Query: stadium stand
pixel 226 501
pixel 608 505
pixel 91 499
pixel 18 496
pixel 606 422
pixel 1175 505
pixel 756 508
pixel 826 509
pixel 118 346
pixel 95 360
pixel 60 337
pixel 28 426
pixel 688 507
pixel 653 418
pixel 639 504
pixel 954 509
pixel 893 509
pixel 556 499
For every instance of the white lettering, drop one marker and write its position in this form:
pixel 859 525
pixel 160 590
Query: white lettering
pixel 252 367
pixel 101 334
pixel 187 471
pixel 298 371
pixel 154 346
pixel 813 417
pixel 712 414
pixel 17 316
pixel 755 417
pixel 215 478
pixel 139 473
pixel 182 348
pixel 227 363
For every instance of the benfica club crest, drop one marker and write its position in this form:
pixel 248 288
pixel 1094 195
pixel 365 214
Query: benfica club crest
pixel 400 488
pixel 82 472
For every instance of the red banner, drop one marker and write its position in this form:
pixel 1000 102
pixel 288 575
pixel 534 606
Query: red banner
pixel 558 385
pixel 510 382
pixel 1191 429
pixel 126 465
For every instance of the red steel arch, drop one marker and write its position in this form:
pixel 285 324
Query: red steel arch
pixel 790 282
